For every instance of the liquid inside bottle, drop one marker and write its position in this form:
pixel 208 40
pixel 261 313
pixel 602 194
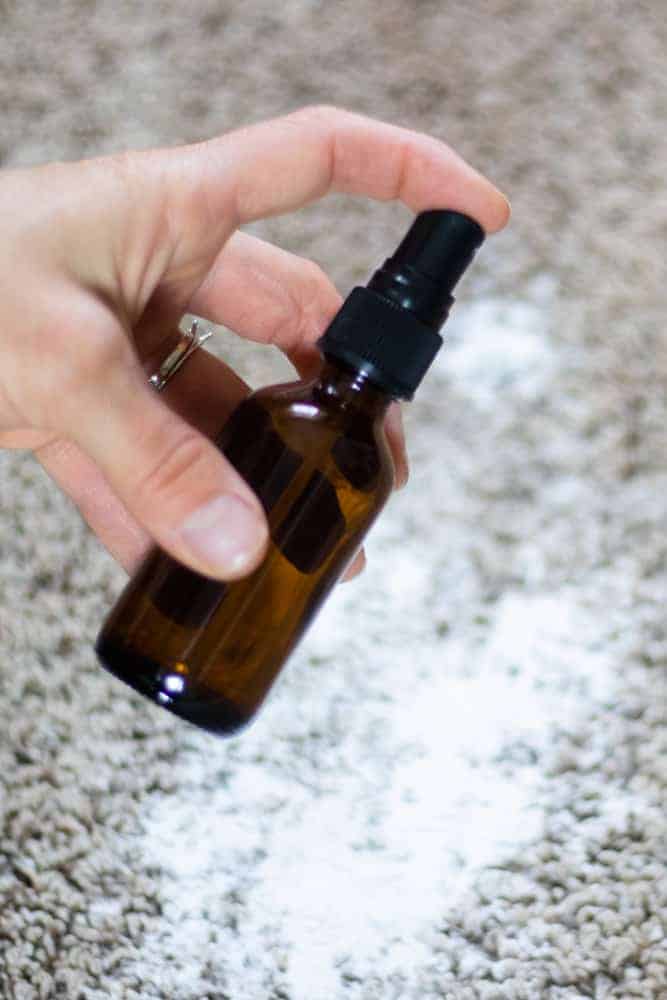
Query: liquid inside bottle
pixel 316 455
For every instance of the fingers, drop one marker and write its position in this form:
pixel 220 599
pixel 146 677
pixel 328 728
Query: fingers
pixel 282 164
pixel 166 214
pixel 170 478
pixel 357 566
pixel 268 295
pixel 204 393
pixel 80 478
pixel 393 426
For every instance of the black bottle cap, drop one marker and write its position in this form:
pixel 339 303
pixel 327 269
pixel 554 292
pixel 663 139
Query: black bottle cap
pixel 390 328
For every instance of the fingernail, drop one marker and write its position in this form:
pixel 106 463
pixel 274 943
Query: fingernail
pixel 504 219
pixel 402 472
pixel 225 535
pixel 357 566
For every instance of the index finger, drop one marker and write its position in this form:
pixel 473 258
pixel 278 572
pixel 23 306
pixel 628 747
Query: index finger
pixel 285 163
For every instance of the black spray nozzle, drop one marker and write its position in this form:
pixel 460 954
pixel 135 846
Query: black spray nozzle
pixel 390 328
pixel 422 273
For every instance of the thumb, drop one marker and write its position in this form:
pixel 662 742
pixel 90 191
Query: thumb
pixel 171 478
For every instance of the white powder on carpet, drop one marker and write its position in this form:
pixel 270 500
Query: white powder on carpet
pixel 431 746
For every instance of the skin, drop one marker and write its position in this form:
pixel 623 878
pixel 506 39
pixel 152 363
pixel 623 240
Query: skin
pixel 101 258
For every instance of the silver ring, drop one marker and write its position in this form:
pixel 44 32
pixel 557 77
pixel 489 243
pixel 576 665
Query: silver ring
pixel 190 342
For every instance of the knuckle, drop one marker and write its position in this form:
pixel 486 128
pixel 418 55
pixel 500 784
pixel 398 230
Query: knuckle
pixel 109 182
pixel 172 475
pixel 315 279
pixel 301 321
pixel 320 114
pixel 281 321
pixel 301 306
pixel 318 300
pixel 121 167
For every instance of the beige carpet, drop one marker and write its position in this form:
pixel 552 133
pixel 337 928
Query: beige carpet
pixel 459 789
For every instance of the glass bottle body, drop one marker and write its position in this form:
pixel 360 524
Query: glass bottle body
pixel 316 455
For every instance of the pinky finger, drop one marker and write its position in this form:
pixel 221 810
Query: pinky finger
pixel 396 437
pixel 357 566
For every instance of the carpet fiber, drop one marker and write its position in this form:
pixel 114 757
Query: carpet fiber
pixel 458 789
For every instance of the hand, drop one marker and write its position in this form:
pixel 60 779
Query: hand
pixel 100 260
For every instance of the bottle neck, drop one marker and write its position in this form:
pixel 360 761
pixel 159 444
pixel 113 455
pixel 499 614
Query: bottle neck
pixel 351 389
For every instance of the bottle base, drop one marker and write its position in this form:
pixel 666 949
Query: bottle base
pixel 210 712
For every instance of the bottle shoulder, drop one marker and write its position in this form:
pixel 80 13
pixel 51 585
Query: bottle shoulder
pixel 296 400
pixel 309 401
pixel 301 403
pixel 296 403
pixel 321 430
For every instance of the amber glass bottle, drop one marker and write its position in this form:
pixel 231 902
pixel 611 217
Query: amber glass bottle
pixel 316 455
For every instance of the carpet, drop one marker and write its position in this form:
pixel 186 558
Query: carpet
pixel 458 788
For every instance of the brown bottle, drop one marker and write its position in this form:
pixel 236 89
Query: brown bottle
pixel 316 455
